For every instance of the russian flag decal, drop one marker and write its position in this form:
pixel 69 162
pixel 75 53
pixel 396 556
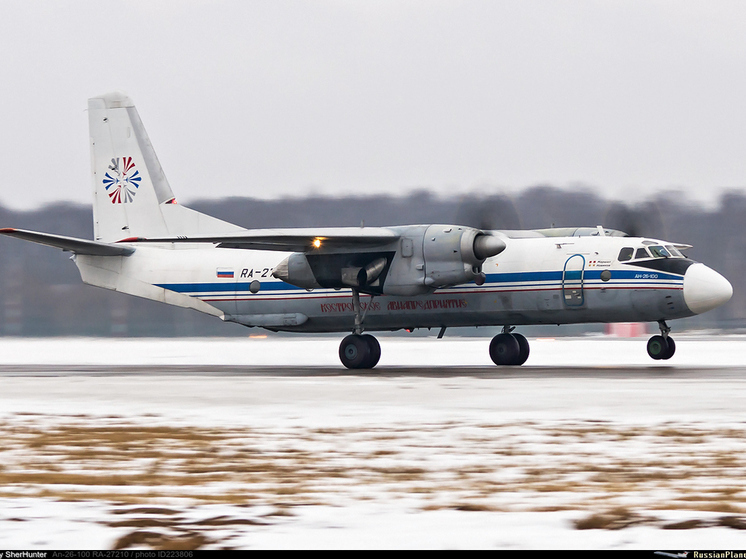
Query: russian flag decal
pixel 225 273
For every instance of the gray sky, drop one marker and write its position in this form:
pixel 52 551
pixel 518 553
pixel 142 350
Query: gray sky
pixel 272 98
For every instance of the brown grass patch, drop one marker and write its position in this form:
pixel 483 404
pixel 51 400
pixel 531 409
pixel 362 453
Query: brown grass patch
pixel 119 460
pixel 160 541
pixel 146 510
pixel 613 519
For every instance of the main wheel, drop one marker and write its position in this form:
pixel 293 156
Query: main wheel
pixel 671 348
pixel 661 348
pixel 375 350
pixel 505 350
pixel 355 352
pixel 524 348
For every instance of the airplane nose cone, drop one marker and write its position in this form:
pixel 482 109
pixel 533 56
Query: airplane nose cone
pixel 705 289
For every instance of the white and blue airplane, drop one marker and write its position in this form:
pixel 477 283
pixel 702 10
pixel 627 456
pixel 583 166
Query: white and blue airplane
pixel 367 278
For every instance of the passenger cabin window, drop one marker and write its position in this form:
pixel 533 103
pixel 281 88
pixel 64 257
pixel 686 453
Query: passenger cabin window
pixel 659 252
pixel 642 253
pixel 626 254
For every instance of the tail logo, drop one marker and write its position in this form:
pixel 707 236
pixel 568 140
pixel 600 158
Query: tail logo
pixel 122 180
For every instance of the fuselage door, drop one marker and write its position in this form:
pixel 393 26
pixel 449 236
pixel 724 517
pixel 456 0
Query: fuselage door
pixel 572 281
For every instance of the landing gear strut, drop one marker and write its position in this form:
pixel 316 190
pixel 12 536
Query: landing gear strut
pixel 508 348
pixel 358 350
pixel 663 346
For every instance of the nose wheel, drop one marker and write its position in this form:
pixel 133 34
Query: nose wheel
pixel 663 346
pixel 508 349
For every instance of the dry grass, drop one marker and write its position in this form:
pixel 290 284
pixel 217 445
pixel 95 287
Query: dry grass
pixel 482 467
pixel 613 519
pixel 158 541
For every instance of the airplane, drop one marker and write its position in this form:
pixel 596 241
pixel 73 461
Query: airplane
pixel 362 279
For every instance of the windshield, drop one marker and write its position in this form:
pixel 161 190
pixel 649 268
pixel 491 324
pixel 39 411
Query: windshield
pixel 659 252
pixel 645 253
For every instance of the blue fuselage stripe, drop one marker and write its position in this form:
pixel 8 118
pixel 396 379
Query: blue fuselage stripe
pixel 224 287
pixel 525 278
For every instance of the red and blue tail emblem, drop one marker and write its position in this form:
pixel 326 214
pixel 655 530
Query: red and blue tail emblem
pixel 122 181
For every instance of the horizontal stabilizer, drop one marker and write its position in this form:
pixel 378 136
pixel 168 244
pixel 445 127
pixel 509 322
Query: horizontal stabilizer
pixel 71 244
pixel 290 240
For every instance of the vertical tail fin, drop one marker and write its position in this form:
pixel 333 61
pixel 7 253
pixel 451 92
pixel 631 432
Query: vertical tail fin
pixel 131 195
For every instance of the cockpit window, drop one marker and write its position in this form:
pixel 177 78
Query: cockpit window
pixel 653 250
pixel 659 252
pixel 626 254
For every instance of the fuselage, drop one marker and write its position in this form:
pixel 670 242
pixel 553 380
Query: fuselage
pixel 539 280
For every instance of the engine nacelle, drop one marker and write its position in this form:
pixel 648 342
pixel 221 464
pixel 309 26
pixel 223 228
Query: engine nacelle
pixel 295 270
pixel 455 255
pixel 361 270
pixel 423 258
pixel 433 256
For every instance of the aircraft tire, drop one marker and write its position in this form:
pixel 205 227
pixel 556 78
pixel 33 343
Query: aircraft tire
pixel 355 352
pixel 658 348
pixel 505 350
pixel 375 350
pixel 671 348
pixel 524 348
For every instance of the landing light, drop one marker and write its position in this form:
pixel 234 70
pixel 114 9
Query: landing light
pixel 316 243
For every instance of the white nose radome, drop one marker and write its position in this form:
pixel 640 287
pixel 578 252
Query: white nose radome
pixel 705 289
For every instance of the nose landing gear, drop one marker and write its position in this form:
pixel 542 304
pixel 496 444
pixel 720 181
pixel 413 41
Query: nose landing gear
pixel 663 346
pixel 509 349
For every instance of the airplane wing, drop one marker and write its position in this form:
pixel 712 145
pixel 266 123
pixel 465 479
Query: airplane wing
pixel 71 244
pixel 289 240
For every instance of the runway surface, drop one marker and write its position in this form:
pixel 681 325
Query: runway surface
pixel 492 372
pixel 207 444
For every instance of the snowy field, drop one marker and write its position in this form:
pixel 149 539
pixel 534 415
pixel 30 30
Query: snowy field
pixel 269 443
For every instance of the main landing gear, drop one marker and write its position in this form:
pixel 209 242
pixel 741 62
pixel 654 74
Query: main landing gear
pixel 358 350
pixel 508 348
pixel 663 346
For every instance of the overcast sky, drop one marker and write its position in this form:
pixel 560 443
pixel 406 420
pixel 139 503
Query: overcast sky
pixel 272 98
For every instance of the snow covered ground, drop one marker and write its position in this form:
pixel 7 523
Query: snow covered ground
pixel 259 350
pixel 233 451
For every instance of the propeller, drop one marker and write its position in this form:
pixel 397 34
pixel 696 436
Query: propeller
pixel 641 220
pixel 487 213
